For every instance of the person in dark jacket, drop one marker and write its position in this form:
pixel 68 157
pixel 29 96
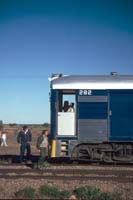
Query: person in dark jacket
pixel 42 146
pixel 24 138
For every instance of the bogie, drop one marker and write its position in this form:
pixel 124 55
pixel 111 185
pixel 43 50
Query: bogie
pixel 108 153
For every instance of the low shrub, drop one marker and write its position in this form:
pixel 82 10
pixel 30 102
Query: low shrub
pixel 88 192
pixel 49 191
pixel 105 196
pixel 116 195
pixel 93 193
pixel 27 192
pixel 65 194
pixel 54 192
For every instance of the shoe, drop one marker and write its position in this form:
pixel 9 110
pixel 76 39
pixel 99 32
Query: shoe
pixel 40 167
pixel 46 164
pixel 35 166
pixel 22 162
pixel 28 162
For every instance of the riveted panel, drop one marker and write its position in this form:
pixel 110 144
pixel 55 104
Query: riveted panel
pixel 92 130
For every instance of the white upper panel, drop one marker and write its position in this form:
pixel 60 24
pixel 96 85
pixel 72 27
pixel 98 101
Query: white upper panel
pixel 93 82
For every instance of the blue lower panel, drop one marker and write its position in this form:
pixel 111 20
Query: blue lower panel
pixel 92 110
pixel 121 120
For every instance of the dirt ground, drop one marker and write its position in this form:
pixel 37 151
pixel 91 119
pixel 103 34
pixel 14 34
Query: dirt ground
pixel 9 187
pixel 14 185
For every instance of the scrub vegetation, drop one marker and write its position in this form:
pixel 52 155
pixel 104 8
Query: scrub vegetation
pixel 85 192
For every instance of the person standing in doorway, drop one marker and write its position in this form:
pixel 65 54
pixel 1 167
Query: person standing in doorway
pixel 24 138
pixel 71 108
pixel 42 145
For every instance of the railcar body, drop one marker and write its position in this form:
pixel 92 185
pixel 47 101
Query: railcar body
pixel 101 126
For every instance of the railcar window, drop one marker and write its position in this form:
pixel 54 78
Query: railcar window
pixel 65 100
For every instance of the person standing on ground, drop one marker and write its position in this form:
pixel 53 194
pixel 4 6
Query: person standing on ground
pixel 24 138
pixel 3 140
pixel 42 145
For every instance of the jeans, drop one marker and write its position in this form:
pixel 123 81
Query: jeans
pixel 23 147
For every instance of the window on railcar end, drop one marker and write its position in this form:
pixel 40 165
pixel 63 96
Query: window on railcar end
pixel 69 103
pixel 66 101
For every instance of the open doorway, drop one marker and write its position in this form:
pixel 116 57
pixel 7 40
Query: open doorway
pixel 66 113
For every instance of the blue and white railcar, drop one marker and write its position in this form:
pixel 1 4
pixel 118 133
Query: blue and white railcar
pixel 100 128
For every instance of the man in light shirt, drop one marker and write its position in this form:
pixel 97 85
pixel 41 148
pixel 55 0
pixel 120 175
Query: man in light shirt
pixel 42 145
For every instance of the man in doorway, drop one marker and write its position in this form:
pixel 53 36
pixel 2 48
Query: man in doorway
pixel 24 138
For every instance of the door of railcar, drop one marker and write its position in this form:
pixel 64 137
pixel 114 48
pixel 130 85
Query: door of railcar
pixel 66 110
pixel 92 115
pixel 121 119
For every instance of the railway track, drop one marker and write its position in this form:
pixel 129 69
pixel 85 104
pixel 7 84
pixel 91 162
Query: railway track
pixel 69 174
pixel 121 165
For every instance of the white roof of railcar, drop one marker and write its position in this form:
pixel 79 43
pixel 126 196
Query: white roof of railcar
pixel 97 82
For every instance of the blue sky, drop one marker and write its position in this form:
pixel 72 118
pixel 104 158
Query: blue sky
pixel 41 37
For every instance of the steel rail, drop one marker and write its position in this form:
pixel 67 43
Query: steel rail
pixel 70 178
pixel 69 171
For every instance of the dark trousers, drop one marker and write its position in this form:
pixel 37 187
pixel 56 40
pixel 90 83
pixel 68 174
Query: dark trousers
pixel 23 147
pixel 43 155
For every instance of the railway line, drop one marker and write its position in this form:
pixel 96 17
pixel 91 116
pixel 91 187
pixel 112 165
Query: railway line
pixel 82 174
